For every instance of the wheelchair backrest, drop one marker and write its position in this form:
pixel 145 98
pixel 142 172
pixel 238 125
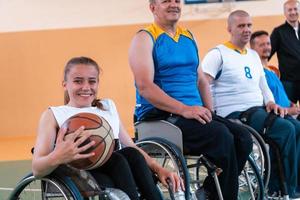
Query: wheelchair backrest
pixel 161 129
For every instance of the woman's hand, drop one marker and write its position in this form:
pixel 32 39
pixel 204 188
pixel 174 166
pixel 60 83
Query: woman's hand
pixel 68 147
pixel 164 174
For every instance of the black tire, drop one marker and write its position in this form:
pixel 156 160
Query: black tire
pixel 265 171
pixel 160 148
pixel 31 188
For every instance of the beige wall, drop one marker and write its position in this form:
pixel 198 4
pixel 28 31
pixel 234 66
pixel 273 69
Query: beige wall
pixel 20 15
pixel 32 64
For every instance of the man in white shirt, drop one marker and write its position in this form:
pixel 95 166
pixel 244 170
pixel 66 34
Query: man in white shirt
pixel 238 84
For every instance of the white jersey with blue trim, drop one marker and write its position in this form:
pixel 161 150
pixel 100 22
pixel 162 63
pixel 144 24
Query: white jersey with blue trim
pixel 109 113
pixel 239 81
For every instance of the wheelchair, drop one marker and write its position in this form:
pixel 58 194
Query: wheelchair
pixel 163 141
pixel 260 153
pixel 64 183
pixel 68 183
pixel 267 144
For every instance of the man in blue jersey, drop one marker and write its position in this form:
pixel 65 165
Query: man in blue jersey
pixel 240 90
pixel 170 84
pixel 260 42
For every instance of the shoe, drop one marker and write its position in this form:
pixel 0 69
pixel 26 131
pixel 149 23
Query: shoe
pixel 295 196
pixel 298 189
pixel 202 194
pixel 273 195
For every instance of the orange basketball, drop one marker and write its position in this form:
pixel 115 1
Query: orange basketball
pixel 102 134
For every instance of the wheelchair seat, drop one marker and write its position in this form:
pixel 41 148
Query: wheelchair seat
pixel 166 129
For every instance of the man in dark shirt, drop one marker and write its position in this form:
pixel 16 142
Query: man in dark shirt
pixel 285 41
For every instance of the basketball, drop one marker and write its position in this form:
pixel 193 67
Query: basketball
pixel 102 134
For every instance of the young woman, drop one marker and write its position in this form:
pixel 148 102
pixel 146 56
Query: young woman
pixel 127 168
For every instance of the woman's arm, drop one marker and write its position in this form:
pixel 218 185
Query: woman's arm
pixel 48 156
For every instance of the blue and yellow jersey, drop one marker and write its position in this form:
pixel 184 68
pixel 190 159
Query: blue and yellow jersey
pixel 176 62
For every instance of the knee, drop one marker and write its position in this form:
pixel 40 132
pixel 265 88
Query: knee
pixel 222 134
pixel 224 141
pixel 118 160
pixel 133 155
pixel 286 127
pixel 246 142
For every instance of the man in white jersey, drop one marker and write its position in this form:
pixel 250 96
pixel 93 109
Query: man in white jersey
pixel 238 84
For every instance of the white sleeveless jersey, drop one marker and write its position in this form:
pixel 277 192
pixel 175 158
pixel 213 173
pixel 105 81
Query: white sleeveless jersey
pixel 110 114
pixel 239 81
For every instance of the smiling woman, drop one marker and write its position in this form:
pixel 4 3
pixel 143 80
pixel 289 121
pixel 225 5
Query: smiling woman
pixel 83 83
pixel 127 168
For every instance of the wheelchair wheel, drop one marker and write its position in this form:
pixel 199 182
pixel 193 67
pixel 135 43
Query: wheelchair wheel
pixel 250 182
pixel 54 188
pixel 168 156
pixel 260 155
pixel 31 188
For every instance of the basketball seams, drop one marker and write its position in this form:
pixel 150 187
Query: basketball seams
pixel 106 150
pixel 97 124
pixel 109 129
pixel 79 116
pixel 101 159
pixel 102 130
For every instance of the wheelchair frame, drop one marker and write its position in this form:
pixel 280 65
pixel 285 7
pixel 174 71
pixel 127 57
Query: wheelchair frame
pixel 65 183
pixel 164 132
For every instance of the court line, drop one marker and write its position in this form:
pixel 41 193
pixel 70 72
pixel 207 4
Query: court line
pixel 11 189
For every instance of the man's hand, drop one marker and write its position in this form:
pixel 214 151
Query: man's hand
pixel 200 113
pixel 271 106
pixel 293 110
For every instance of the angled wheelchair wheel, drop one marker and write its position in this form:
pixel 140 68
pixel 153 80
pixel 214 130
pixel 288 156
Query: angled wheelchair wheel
pixel 251 185
pixel 58 188
pixel 31 188
pixel 170 157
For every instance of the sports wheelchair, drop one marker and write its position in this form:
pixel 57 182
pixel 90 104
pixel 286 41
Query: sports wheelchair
pixel 163 141
pixel 267 144
pixel 68 183
pixel 60 184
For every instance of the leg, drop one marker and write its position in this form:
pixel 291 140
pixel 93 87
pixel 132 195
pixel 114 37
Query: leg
pixel 215 141
pixel 141 173
pixel 296 123
pixel 118 169
pixel 242 140
pixel 283 133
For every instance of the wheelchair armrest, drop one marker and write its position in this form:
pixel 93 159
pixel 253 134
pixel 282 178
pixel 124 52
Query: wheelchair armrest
pixel 161 129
